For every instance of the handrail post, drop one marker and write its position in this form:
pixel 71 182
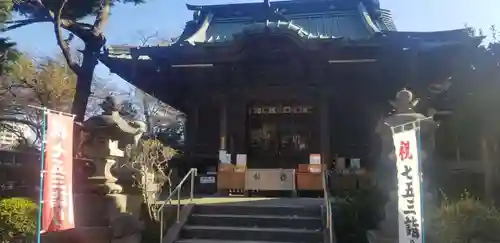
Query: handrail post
pixel 328 206
pixel 161 225
pixel 178 188
pixel 178 206
pixel 193 174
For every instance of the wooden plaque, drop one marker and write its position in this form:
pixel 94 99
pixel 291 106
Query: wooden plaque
pixel 270 179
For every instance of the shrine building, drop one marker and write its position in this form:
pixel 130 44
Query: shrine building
pixel 280 81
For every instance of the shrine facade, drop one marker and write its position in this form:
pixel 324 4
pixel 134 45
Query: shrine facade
pixel 281 81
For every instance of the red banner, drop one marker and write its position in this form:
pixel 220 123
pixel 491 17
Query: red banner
pixel 57 211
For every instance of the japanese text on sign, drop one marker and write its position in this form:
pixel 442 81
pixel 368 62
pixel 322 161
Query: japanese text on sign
pixel 281 110
pixel 409 180
pixel 57 210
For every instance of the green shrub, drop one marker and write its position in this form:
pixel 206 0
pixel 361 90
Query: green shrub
pixel 465 220
pixel 354 213
pixel 17 219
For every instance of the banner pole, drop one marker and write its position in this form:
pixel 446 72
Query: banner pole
pixel 42 169
pixel 413 123
pixel 419 147
pixel 49 110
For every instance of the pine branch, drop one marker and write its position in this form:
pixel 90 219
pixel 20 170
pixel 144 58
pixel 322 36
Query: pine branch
pixel 64 45
pixel 24 22
pixel 102 18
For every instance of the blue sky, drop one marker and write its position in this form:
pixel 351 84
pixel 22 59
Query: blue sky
pixel 169 16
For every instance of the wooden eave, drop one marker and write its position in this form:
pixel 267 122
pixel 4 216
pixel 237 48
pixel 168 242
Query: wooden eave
pixel 222 52
pixel 159 65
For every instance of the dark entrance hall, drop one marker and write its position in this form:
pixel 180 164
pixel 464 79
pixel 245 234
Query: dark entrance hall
pixel 280 136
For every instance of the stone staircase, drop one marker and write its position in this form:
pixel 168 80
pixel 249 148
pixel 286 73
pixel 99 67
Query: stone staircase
pixel 253 224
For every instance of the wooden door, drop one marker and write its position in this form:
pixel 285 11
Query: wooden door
pixel 279 140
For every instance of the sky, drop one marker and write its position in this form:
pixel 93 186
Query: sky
pixel 168 17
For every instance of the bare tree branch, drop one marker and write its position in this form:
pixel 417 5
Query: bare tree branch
pixel 145 39
pixel 42 82
pixel 149 159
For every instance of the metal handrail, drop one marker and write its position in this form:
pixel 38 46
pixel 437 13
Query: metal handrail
pixel 191 174
pixel 328 206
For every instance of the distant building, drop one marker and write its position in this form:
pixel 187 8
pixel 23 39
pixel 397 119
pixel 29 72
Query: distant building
pixel 16 131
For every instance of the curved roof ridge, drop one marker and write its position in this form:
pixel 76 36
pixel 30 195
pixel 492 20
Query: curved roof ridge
pixel 201 34
pixel 439 34
pixel 294 6
pixel 386 22
pixel 331 12
pixel 284 25
pixel 337 13
pixel 197 7
pixel 322 18
pixel 367 19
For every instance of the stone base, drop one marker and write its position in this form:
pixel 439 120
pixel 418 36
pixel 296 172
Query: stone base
pixel 79 235
pixel 98 210
pixel 91 210
pixel 377 236
pixel 120 203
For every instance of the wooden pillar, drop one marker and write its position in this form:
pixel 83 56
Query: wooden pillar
pixel 192 127
pixel 223 123
pixel 319 75
pixel 239 131
pixel 236 115
pixel 324 115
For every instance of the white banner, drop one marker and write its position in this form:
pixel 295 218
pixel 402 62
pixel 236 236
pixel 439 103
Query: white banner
pixel 409 181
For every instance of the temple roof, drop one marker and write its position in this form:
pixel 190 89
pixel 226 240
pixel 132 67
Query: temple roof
pixel 423 41
pixel 155 69
pixel 123 60
pixel 354 19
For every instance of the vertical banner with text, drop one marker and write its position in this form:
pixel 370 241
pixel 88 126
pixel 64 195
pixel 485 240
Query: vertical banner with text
pixel 409 182
pixel 57 211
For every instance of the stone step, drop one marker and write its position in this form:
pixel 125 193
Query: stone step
pixel 264 221
pixel 251 234
pixel 222 241
pixel 259 210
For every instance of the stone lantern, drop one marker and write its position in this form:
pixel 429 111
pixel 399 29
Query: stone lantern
pixel 103 203
pixel 386 172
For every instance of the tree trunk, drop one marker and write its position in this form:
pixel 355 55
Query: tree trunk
pixel 457 148
pixel 494 166
pixel 84 83
pixel 488 168
pixel 94 40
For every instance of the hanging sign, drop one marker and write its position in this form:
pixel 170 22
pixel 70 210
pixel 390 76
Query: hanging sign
pixel 409 185
pixel 281 109
pixel 315 159
pixel 224 157
pixel 355 164
pixel 57 208
pixel 241 160
pixel 207 180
